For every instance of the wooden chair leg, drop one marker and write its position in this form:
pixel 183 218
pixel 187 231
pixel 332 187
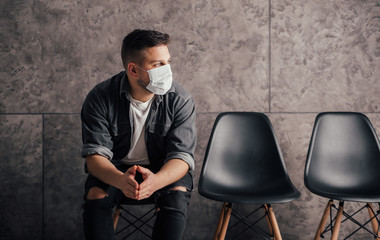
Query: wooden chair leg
pixel 223 221
pixel 115 217
pixel 275 228
pixel 220 222
pixel 375 224
pixel 338 221
pixel 322 224
pixel 268 220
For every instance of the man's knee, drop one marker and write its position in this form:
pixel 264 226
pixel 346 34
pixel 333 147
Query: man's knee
pixel 96 193
pixel 176 199
pixel 178 188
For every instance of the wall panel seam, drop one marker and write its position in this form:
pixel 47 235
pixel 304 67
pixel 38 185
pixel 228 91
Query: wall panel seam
pixel 198 113
pixel 43 177
pixel 269 56
pixel 38 114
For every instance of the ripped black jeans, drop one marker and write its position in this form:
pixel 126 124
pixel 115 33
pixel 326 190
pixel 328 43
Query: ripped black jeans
pixel 170 220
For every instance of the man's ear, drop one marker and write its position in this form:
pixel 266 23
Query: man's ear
pixel 131 68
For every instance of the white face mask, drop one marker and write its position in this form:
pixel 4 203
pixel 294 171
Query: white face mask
pixel 161 79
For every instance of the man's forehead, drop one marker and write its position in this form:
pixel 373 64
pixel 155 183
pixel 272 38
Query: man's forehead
pixel 157 53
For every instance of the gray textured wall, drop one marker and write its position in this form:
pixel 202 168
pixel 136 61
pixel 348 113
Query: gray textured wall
pixel 288 58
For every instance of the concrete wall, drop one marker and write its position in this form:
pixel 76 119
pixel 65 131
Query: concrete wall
pixel 287 58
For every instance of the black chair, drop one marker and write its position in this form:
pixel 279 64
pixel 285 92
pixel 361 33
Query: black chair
pixel 343 164
pixel 135 220
pixel 243 164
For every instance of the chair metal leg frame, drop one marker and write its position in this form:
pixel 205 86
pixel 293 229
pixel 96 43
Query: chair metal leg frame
pixel 226 213
pixel 249 225
pixel 136 227
pixel 137 223
pixel 335 223
pixel 348 217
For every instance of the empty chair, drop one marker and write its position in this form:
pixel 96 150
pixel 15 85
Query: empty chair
pixel 243 164
pixel 343 163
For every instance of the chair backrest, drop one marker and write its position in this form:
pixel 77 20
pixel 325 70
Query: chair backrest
pixel 343 160
pixel 242 156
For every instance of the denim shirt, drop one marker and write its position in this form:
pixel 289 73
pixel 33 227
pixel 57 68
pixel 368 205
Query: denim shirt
pixel 107 127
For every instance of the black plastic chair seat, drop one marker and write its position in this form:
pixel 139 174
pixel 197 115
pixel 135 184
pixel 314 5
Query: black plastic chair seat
pixel 361 195
pixel 254 193
pixel 243 163
pixel 344 158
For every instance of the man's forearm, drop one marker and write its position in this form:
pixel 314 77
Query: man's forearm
pixel 104 170
pixel 172 171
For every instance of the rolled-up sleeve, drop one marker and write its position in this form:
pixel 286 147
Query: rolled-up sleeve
pixel 96 137
pixel 182 136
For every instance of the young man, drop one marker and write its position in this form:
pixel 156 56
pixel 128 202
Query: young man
pixel 139 136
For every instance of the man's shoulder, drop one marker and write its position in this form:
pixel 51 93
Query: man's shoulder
pixel 107 91
pixel 110 84
pixel 178 91
pixel 178 97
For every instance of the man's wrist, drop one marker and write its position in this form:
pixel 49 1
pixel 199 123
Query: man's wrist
pixel 119 179
pixel 160 180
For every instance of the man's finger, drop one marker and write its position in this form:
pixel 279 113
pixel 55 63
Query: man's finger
pixel 132 170
pixel 144 171
pixel 131 193
pixel 133 183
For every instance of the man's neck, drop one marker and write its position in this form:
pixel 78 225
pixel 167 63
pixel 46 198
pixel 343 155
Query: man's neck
pixel 140 94
pixel 141 97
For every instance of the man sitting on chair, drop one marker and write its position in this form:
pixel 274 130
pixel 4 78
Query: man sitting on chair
pixel 139 122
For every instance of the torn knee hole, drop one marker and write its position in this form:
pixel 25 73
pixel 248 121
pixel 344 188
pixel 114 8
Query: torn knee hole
pixel 178 188
pixel 96 193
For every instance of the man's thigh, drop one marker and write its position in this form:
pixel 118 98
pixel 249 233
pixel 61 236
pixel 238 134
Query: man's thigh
pixel 176 195
pixel 95 189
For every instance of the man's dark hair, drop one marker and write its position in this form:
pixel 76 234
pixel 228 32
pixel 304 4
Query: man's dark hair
pixel 138 40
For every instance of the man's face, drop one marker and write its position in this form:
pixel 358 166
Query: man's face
pixel 152 58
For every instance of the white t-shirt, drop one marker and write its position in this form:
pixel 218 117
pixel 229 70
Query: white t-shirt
pixel 138 154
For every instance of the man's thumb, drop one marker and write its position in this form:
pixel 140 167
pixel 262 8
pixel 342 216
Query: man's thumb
pixel 132 170
pixel 143 171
